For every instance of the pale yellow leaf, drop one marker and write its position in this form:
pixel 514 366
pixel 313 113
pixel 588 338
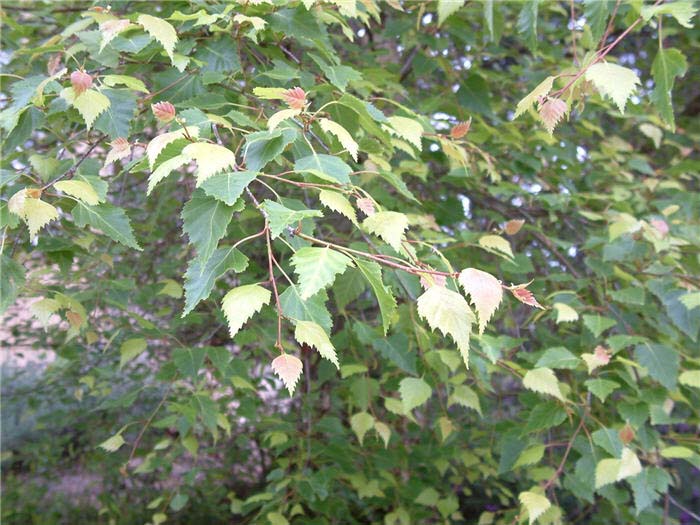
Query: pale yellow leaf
pixel 159 143
pixel 535 504
pixel 485 291
pixel 277 118
pixel 544 381
pixel 241 303
pixel 162 31
pixel 38 214
pixel 406 128
pixel 389 225
pixel 496 243
pixel 165 169
pixel 614 81
pixel 307 332
pixel 210 158
pixel 120 150
pixel 90 103
pixel 80 190
pixel 565 313
pixel 551 113
pixel 257 22
pixel 288 368
pixel 448 312
pixel 342 135
pixel 338 202
pixel 361 423
pixel 542 89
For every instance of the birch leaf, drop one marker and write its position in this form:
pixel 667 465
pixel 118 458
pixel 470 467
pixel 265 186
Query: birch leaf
pixel 448 312
pixel 241 303
pixel 485 291
pixel 307 332
pixel 289 369
pixel 342 135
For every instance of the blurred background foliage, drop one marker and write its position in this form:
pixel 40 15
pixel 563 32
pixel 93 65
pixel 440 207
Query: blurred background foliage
pixel 610 239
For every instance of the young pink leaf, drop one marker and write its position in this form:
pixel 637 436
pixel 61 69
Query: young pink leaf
pixel 295 98
pixel 461 129
pixel 513 226
pixel 551 113
pixel 288 368
pixel 661 226
pixel 485 291
pixel 366 206
pixel 522 294
pixel 430 279
pixel 163 111
pixel 120 149
pixel 80 81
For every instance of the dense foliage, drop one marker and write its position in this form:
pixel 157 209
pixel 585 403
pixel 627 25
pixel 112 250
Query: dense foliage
pixel 350 261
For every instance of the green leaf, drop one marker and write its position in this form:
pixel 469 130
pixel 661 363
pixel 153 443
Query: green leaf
pixel 201 275
pixel 527 22
pixel 312 309
pixel 544 381
pixel 601 388
pixel 189 361
pixel 445 8
pixel 389 225
pixel 682 10
pixel 228 187
pixel 241 303
pixel 111 220
pixel 310 333
pixel 667 66
pixel 448 312
pixel 545 415
pixel 162 31
pixel 661 361
pixel 281 216
pixel 130 349
pixel 317 268
pixel 115 121
pixel 596 13
pixel 264 146
pixel 205 220
pixel 12 279
pixel 327 167
pixel 387 303
pixel 598 324
pixel 614 81
pixel 414 392
pixel 464 396
pixel 542 89
pixel 558 357
pixel 361 423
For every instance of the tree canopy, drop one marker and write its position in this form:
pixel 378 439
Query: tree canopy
pixel 350 261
